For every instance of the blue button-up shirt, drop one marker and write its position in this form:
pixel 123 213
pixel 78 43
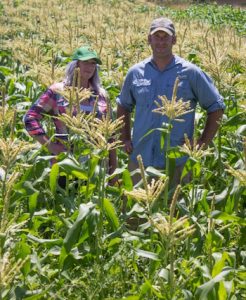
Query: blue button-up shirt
pixel 144 83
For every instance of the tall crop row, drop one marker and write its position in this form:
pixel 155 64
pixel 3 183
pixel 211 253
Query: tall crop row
pixel 93 241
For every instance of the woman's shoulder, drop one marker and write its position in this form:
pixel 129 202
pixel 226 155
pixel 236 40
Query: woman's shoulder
pixel 52 93
pixel 57 87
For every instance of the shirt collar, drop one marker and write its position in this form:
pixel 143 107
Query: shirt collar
pixel 172 63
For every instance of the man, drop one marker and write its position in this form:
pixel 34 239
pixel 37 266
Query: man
pixel 153 77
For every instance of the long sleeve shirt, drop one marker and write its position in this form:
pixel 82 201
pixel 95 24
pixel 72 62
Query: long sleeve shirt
pixel 53 104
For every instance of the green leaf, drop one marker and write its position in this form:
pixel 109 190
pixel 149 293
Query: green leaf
pixel 164 273
pixel 204 203
pixel 145 288
pixel 175 153
pixel 163 130
pixel 53 177
pixel 136 209
pixel 204 289
pixel 84 235
pixel 220 264
pixel 226 217
pixel 241 130
pixel 147 254
pixel 20 86
pixel 114 241
pixel 28 188
pixel 80 174
pixel 37 297
pixel 235 120
pixel 148 287
pixel 117 171
pixel 44 241
pixel 74 232
pixel 222 291
pixel 62 257
pixel 127 181
pixel 5 71
pixel 71 166
pixel 23 250
pixel 154 172
pixel 33 199
pixel 187 168
pixel 111 214
pixel 197 169
pixel 162 142
pixel 92 165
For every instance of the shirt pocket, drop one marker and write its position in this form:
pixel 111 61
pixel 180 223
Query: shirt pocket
pixel 184 90
pixel 142 92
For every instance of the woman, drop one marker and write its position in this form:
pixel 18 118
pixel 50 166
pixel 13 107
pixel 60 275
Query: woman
pixel 53 104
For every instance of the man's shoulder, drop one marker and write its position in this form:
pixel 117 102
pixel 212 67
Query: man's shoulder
pixel 140 65
pixel 186 64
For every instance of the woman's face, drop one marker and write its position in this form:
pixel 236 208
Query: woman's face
pixel 87 68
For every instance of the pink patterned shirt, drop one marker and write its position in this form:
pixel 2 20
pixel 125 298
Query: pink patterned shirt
pixel 53 104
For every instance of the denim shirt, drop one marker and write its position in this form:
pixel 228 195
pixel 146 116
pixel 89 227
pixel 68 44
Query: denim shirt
pixel 144 83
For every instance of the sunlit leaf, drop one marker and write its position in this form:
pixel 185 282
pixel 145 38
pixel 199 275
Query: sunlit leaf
pixel 69 166
pixel 73 233
pixel 227 217
pixel 147 254
pixel 44 241
pixel 204 289
pixel 53 177
pixel 111 213
pixel 114 241
pixel 220 264
pixel 92 165
pixel 127 181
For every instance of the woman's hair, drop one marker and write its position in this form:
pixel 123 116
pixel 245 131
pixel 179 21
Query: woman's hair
pixel 94 80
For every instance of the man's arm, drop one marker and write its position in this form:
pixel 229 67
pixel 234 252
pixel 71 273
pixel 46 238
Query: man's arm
pixel 126 129
pixel 211 126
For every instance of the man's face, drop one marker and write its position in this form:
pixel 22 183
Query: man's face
pixel 161 44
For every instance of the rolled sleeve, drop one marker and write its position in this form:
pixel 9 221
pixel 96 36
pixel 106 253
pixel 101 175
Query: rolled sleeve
pixel 207 94
pixel 216 106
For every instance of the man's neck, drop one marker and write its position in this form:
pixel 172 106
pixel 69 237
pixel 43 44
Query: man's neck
pixel 162 62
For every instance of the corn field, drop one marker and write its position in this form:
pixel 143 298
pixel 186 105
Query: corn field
pixel 96 241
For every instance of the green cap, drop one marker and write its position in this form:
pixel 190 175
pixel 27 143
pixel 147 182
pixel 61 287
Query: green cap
pixel 86 53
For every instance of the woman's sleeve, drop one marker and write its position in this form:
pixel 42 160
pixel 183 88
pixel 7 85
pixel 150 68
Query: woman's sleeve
pixel 103 105
pixel 44 105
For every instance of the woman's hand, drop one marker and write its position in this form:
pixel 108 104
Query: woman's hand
pixel 56 148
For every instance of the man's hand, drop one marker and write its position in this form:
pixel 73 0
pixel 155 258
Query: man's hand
pixel 128 146
pixel 211 126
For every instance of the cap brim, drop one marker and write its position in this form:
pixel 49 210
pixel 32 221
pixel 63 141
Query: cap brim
pixel 162 29
pixel 91 57
pixel 98 61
